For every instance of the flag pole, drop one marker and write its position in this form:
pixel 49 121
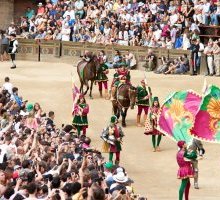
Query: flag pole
pixel 148 91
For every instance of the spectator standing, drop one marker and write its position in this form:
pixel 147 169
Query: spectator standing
pixel 4 42
pixel 194 56
pixel 216 53
pixel 208 51
pixel 201 49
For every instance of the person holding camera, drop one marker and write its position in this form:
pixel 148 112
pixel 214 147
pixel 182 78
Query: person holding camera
pixel 113 135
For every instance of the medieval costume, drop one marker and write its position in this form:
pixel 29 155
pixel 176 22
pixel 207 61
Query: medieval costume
pixel 87 56
pixel 122 75
pixel 143 101
pixel 197 147
pixel 113 135
pixel 12 50
pixel 102 78
pixel 152 121
pixel 80 112
pixel 185 171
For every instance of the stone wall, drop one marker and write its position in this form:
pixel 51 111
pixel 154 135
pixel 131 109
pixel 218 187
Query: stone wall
pixel 19 8
pixel 6 13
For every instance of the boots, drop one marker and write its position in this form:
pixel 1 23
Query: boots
pixel 100 92
pixel 138 120
pixel 117 162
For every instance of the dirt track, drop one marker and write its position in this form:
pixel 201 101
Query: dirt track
pixel 154 173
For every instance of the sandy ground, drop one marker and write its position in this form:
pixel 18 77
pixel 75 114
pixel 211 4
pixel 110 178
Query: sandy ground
pixel 154 173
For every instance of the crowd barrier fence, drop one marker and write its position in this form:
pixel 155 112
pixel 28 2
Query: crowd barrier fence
pixel 68 52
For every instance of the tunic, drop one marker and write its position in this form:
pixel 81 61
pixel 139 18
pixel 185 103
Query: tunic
pixel 141 94
pixel 185 167
pixel 80 117
pixel 111 138
pixel 154 111
pixel 119 74
pixel 101 73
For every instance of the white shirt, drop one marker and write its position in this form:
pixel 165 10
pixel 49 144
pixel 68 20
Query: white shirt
pixel 79 5
pixel 8 86
pixel 70 13
pixel 201 49
pixel 173 19
pixel 157 34
pixel 206 7
pixel 65 34
pixel 11 30
pixel 153 8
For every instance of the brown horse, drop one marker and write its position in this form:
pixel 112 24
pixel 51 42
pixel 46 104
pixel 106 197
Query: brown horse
pixel 125 98
pixel 87 71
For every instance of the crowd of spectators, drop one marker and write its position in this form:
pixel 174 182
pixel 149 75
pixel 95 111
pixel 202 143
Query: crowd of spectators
pixel 155 23
pixel 40 161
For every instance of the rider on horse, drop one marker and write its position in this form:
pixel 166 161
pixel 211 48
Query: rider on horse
pixel 87 56
pixel 121 76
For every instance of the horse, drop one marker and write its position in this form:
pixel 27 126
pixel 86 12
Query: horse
pixel 87 71
pixel 125 98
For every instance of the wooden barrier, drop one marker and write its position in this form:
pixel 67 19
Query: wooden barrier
pixel 49 50
pixel 28 50
pixel 66 52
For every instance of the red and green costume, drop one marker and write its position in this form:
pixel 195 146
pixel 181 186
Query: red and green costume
pixel 102 78
pixel 185 171
pixel 113 135
pixel 80 120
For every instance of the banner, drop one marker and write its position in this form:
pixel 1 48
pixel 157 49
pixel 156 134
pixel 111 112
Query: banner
pixel 177 115
pixel 207 120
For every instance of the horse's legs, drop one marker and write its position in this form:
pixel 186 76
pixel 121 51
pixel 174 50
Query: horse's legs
pixel 91 86
pixel 124 114
pixel 81 87
pixel 87 87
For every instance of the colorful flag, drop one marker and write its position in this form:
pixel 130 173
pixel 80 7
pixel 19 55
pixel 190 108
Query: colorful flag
pixel 75 94
pixel 177 115
pixel 207 120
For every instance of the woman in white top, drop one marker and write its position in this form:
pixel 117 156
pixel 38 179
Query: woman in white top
pixel 65 33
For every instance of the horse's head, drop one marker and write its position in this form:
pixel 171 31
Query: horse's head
pixel 132 96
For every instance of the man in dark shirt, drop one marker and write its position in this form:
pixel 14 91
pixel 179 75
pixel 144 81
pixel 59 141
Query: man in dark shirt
pixel 50 123
pixel 194 55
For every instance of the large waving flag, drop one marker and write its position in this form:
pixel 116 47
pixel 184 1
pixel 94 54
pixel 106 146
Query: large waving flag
pixel 178 114
pixel 207 120
pixel 75 94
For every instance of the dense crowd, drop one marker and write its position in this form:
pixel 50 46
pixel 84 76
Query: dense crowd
pixel 40 161
pixel 156 23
